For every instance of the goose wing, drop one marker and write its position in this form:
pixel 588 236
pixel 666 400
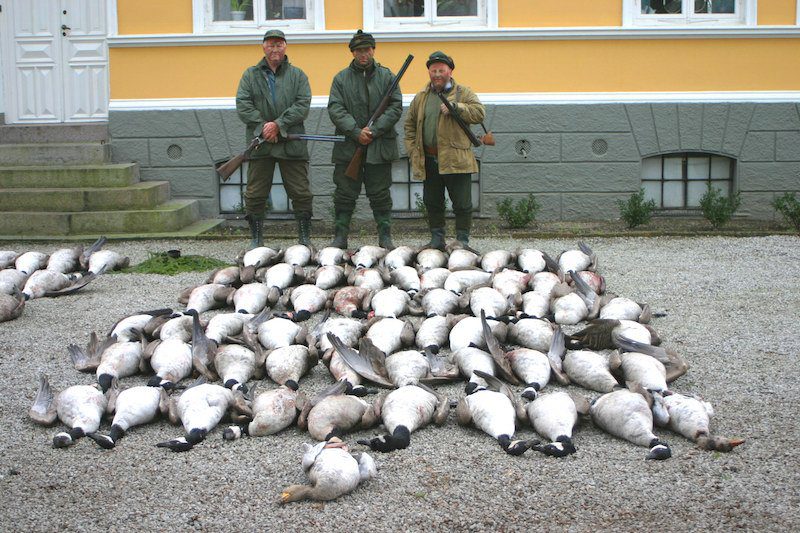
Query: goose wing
pixel 367 362
pixel 75 286
pixel 43 410
pixel 498 354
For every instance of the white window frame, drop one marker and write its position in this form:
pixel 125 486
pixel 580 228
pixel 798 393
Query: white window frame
pixel 632 16
pixel 375 20
pixel 203 13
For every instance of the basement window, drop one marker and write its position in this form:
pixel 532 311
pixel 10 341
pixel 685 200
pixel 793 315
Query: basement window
pixel 231 194
pixel 407 193
pixel 678 181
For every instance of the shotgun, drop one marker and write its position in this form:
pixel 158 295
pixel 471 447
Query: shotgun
pixel 354 168
pixel 226 169
pixel 463 125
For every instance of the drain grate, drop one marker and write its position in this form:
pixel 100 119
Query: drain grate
pixel 522 147
pixel 599 147
pixel 174 151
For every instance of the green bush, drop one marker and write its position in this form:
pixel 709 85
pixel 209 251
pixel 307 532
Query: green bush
pixel 719 209
pixel 636 211
pixel 518 215
pixel 789 207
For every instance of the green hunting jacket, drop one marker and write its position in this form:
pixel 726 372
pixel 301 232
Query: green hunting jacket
pixel 355 95
pixel 292 101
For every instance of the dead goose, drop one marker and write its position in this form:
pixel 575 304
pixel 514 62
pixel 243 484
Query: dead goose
pixel 286 365
pixel 594 280
pixel 404 411
pixel 511 283
pixel 352 301
pixel 30 262
pixel 134 406
pixel 576 260
pixel 65 260
pixel 626 309
pixel 273 411
pixel 236 365
pixel 200 408
pixel 497 259
pixel 490 302
pixel 80 407
pixel 7 258
pixel 178 327
pixel 550 285
pixel 224 325
pixel 433 278
pixel 390 334
pixel 206 297
pixel 331 256
pixel 12 280
pixel 690 416
pixel 626 415
pixel 535 305
pixel 283 276
pixel 494 412
pixel 460 258
pixel 298 255
pixel 468 360
pixel 434 331
pixel 50 283
pixel 553 416
pixel 306 300
pixel 229 275
pixel 406 278
pixel 332 470
pixel 11 306
pixel 600 334
pixel 461 280
pixel 531 260
pixel 469 332
pixel 569 309
pixel 533 333
pixel 251 260
pixel 674 365
pixel 171 360
pixel 279 332
pixel 592 370
pixel 328 276
pixel 134 327
pixel 250 298
pixel 331 413
pixel 431 258
pixel 368 256
pixel 373 279
pixel 393 302
pixel 106 261
pixel 109 359
pixel 400 257
pixel 439 302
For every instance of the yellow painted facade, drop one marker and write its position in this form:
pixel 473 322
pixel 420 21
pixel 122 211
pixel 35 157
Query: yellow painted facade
pixel 154 16
pixel 554 13
pixel 776 12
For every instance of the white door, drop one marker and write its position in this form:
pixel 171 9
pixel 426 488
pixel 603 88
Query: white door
pixel 55 60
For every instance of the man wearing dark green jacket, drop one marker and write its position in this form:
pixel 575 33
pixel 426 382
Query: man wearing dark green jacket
pixel 355 94
pixel 273 100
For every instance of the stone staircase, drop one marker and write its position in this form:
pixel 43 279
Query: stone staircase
pixel 57 182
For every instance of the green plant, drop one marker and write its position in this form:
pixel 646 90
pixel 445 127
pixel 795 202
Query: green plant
pixel 520 214
pixel 163 263
pixel 719 209
pixel 635 211
pixel 240 5
pixel 789 207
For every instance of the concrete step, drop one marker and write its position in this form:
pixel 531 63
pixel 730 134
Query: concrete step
pixel 53 133
pixel 108 175
pixel 165 218
pixel 39 154
pixel 142 195
pixel 195 229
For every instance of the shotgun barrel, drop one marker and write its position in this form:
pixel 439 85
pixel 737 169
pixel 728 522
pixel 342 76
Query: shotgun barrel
pixel 463 125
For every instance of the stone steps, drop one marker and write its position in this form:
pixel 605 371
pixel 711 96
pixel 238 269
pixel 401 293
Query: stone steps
pixel 107 175
pixel 55 154
pixel 137 196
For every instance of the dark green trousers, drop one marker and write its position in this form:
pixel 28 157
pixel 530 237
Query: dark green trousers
pixel 376 179
pixel 459 188
pixel 295 180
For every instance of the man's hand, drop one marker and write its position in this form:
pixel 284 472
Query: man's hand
pixel 365 137
pixel 444 109
pixel 270 132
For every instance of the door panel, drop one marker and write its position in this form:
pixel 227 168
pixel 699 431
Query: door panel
pixel 85 60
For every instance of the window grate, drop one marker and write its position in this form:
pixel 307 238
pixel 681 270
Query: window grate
pixel 679 181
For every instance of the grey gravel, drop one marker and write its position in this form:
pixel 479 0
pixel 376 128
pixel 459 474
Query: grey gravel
pixel 731 309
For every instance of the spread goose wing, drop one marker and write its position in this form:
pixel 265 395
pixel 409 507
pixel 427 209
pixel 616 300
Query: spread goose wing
pixel 498 354
pixel 362 363
pixel 43 410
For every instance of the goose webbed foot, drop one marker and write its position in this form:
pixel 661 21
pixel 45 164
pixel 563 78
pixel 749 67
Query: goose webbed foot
pixel 560 448
pixel 234 432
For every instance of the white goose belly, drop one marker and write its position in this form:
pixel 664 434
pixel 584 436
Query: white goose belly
pixel 492 413
pixel 406 367
pixel 81 406
pixel 469 360
pixel 273 411
pixel 553 415
pixel 334 473
pixel 136 405
pixel 621 309
pixel 626 415
pixel 121 359
pixel 531 366
pixel 408 406
pixel 645 370
pixel 236 362
pixel 289 362
pixel 688 416
pixel 589 370
pixel 277 333
pixel 203 406
pixel 172 357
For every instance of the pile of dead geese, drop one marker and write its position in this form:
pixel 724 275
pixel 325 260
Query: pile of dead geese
pixel 404 320
pixel 28 275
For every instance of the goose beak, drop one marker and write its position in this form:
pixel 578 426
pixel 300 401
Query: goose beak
pixel 176 445
pixel 104 441
pixel 659 452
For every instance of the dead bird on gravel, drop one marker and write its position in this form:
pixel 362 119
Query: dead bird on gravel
pixel 433 278
pixel 490 302
pixel 533 261
pixel 12 280
pixel 533 333
pixel 638 367
pixel 400 257
pixel 236 365
pixel 332 413
pixel 106 261
pixel 368 256
pixel 535 305
pixel 251 260
pixel 171 360
pixel 690 416
pixel 65 260
pixel 279 332
pixel 11 306
pixel 332 470
pixel 49 283
pixel 134 406
pixel 554 416
pixel 329 276
pixel 469 332
pixel 431 258
pixel 135 326
pixel 373 279
pixel 273 411
pixel 250 298
pixel 206 297
pixel 80 407
pixel 511 283
pixel 405 410
pixel 434 331
pixel 390 334
pixel 626 414
pixel 626 309
pixel 331 255
pixel 224 325
pixel 406 278
pixel 576 260
pixel 462 280
pixel 109 359
pixel 394 302
pixel 7 258
pixel 200 408
pixel 439 302
pixel 298 255
pixel 592 370
pixel 286 365
pixel 461 258
pixel 281 276
pixel 352 301
pixel 229 275
pixel 495 411
pixel 600 334
pixel 305 299
pixel 30 262
pixel 497 259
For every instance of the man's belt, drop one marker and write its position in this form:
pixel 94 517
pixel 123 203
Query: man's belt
pixel 431 150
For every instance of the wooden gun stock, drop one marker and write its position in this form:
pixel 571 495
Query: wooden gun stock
pixel 460 121
pixel 354 167
pixel 232 165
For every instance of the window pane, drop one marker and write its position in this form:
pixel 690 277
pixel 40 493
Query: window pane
pixel 230 199
pixel 660 7
pixel 720 168
pixel 400 171
pixel 399 192
pixel 225 9
pixel 286 9
pixel 722 186
pixel 476 197
pixel 277 195
pixel 651 168
pixel 673 194
pixel 695 190
pixel 673 168
pixel 457 8
pixel 697 168
pixel 403 8
pixel 715 6
pixel 652 191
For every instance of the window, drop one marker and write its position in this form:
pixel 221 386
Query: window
pixel 395 14
pixel 407 193
pixel 678 181
pixel 231 194
pixel 688 12
pixel 224 15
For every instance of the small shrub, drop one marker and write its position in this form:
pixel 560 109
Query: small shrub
pixel 635 211
pixel 789 207
pixel 719 209
pixel 518 215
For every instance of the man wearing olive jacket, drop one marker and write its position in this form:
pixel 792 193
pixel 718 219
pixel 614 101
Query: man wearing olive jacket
pixel 356 93
pixel 439 150
pixel 273 100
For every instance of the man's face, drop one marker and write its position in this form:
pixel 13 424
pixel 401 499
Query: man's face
pixel 274 50
pixel 440 74
pixel 363 55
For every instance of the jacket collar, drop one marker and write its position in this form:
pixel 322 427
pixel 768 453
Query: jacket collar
pixel 263 65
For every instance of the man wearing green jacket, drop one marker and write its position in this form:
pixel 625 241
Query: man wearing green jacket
pixel 355 94
pixel 273 100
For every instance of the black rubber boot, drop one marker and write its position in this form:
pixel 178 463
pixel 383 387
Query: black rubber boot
pixel 437 239
pixel 462 236
pixel 256 230
pixel 384 223
pixel 342 225
pixel 304 230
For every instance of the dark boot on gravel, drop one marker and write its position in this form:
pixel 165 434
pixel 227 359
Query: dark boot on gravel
pixel 256 224
pixel 304 230
pixel 342 229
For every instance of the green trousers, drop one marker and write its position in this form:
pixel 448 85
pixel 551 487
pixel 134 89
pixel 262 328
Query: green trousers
pixel 376 179
pixel 459 188
pixel 295 180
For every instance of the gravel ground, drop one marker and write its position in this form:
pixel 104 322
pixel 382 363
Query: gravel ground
pixel 731 310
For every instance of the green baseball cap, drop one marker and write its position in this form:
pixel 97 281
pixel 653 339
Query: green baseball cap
pixel 274 34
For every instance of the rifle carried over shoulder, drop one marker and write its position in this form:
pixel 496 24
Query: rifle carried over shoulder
pixel 226 169
pixel 463 125
pixel 354 168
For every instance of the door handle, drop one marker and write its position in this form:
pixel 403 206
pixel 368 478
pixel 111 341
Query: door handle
pixel 64 29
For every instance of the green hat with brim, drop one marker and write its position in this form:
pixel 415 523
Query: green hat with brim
pixel 440 57
pixel 361 40
pixel 274 34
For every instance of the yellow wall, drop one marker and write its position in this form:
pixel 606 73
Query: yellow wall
pixel 154 16
pixel 343 14
pixel 515 66
pixel 559 13
pixel 777 12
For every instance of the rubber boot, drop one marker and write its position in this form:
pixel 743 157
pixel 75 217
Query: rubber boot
pixel 462 236
pixel 304 230
pixel 384 223
pixel 256 230
pixel 437 239
pixel 342 225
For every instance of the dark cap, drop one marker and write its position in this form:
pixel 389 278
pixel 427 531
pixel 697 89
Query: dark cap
pixel 274 34
pixel 440 57
pixel 361 39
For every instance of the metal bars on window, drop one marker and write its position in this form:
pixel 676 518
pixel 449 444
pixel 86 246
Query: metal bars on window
pixel 679 181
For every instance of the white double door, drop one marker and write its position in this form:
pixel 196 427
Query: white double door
pixel 55 60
